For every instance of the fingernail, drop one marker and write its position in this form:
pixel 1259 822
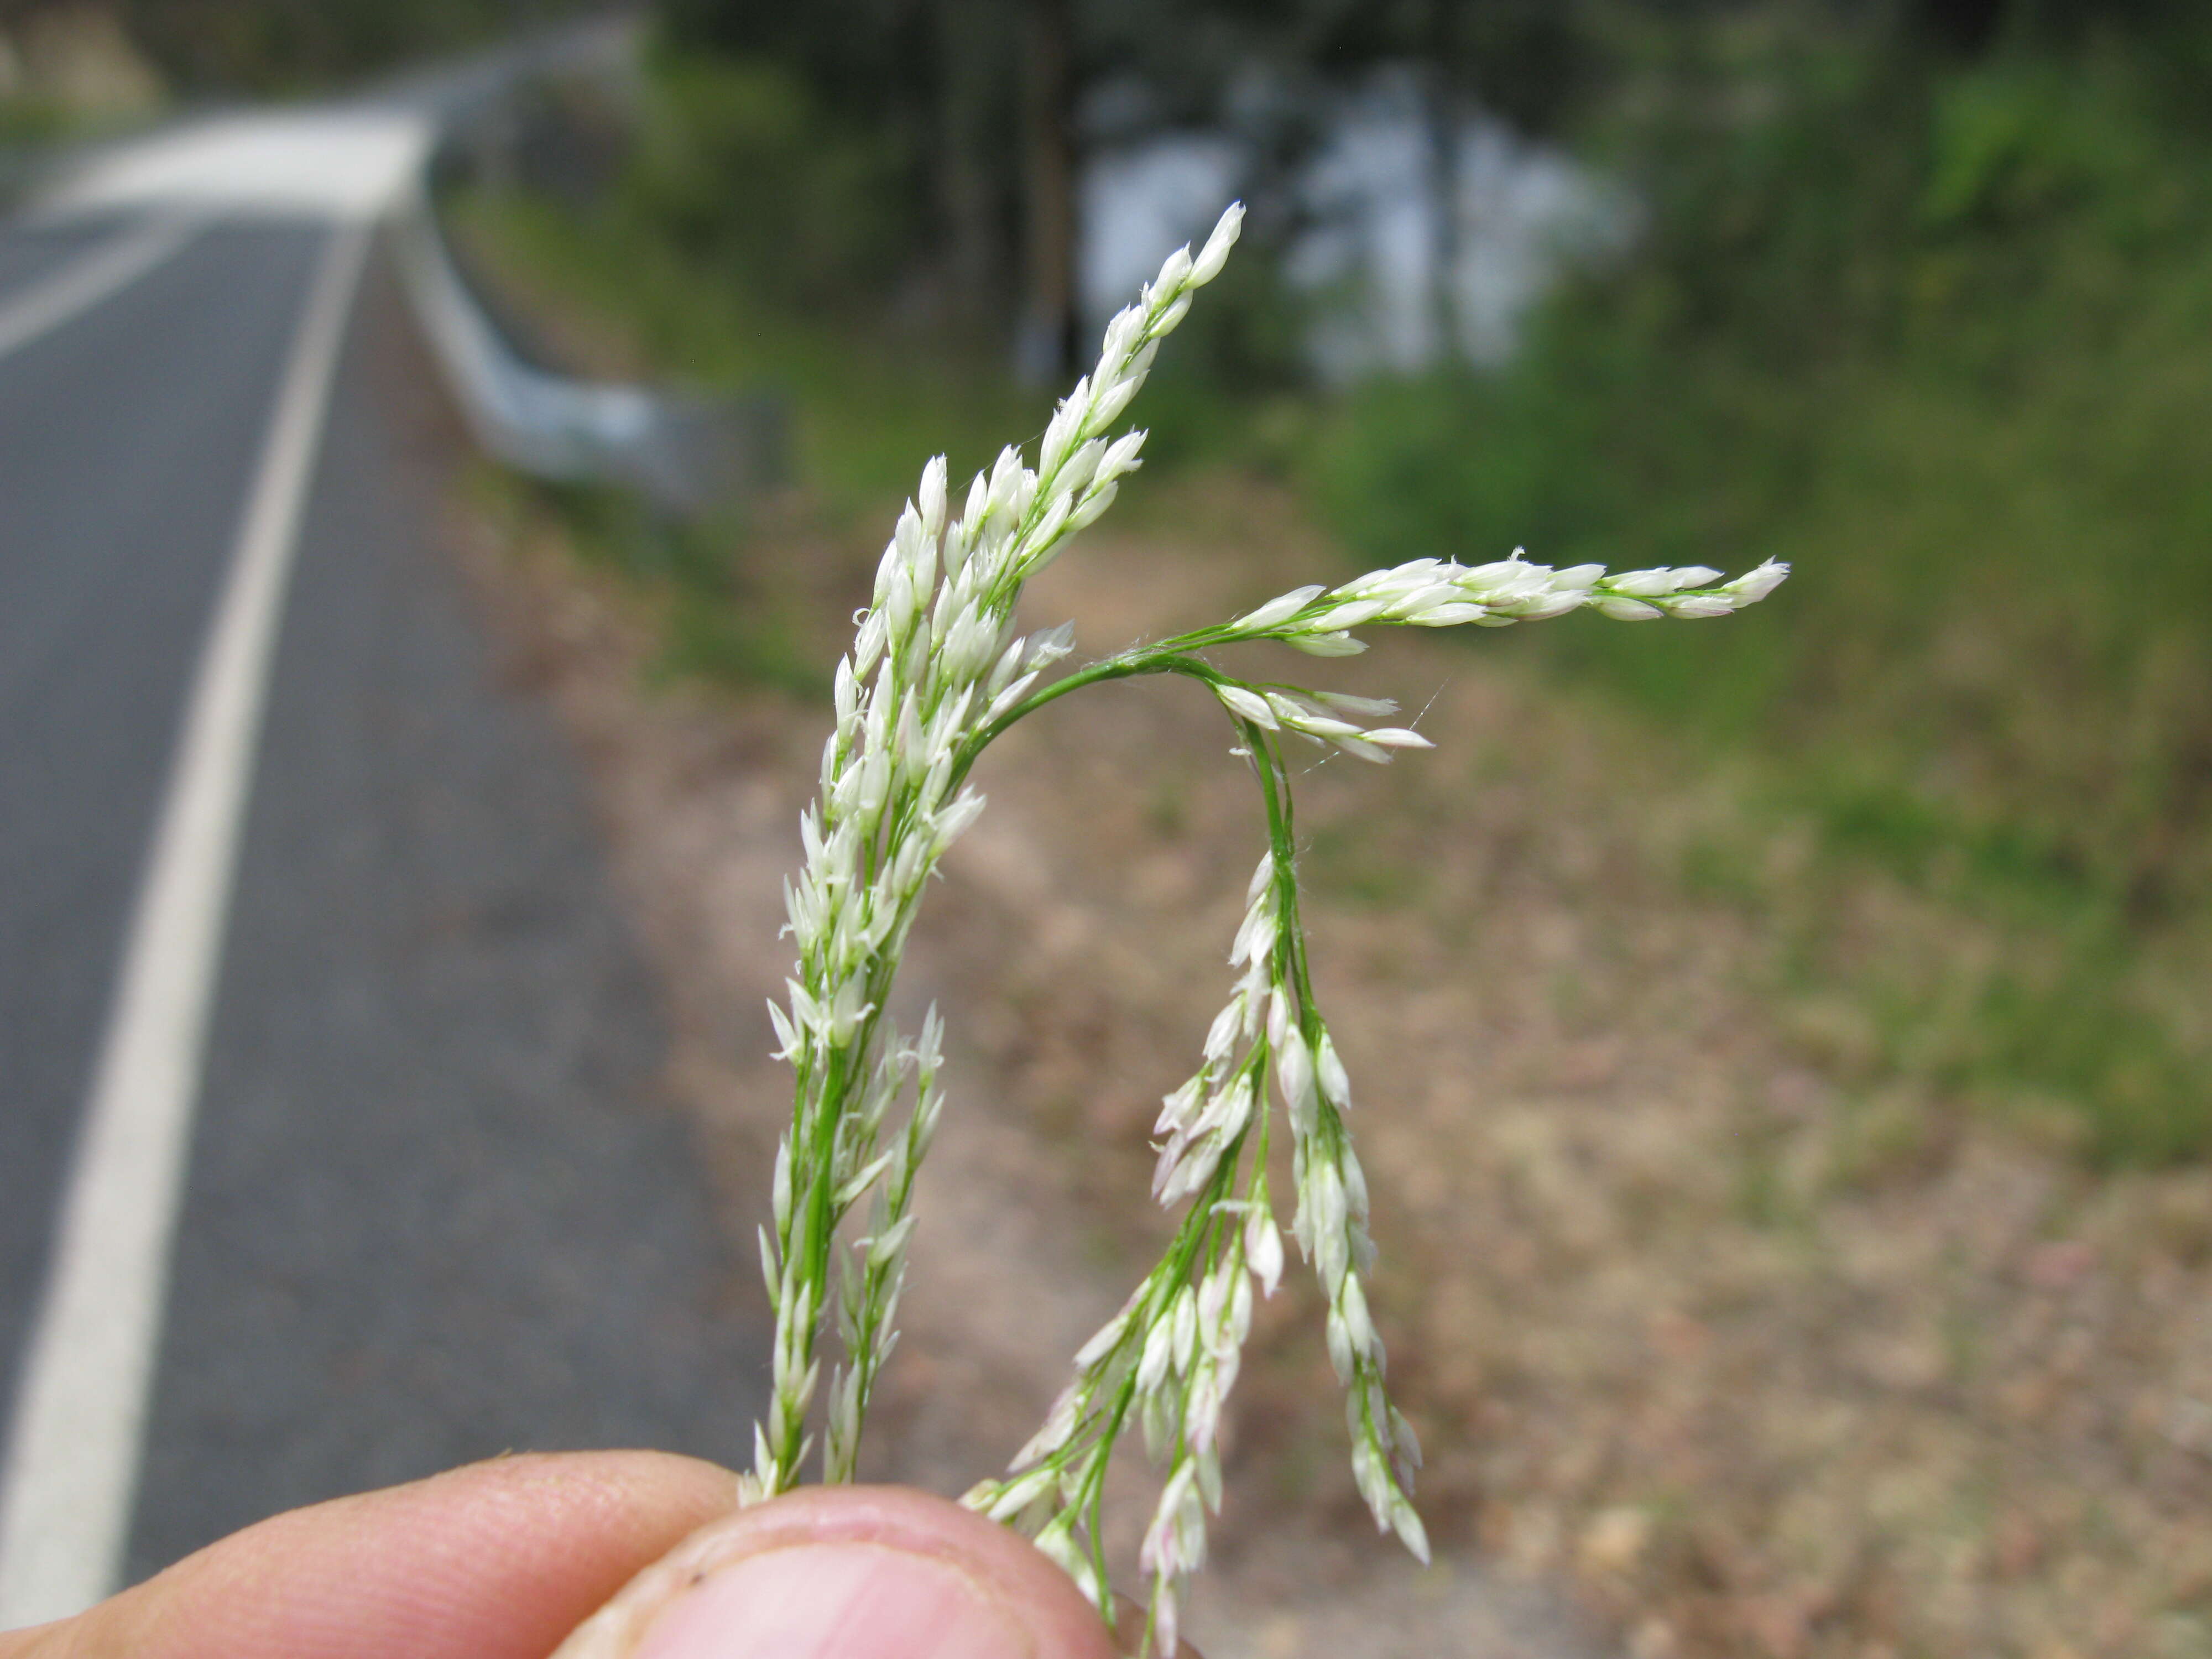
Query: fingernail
pixel 837 1600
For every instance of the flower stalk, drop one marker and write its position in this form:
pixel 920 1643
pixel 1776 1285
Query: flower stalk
pixel 935 675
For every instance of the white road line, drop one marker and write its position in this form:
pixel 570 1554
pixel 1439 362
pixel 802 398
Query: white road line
pixel 85 281
pixel 70 1479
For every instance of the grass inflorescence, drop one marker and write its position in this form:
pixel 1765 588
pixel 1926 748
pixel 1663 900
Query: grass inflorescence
pixel 936 674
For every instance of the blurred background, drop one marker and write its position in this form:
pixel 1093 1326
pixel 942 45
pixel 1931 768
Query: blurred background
pixel 1788 1040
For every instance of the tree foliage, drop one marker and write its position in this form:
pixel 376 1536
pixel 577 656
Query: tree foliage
pixel 288 46
pixel 965 102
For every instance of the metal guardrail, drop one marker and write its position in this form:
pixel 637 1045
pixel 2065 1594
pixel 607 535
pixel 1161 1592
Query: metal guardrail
pixel 682 454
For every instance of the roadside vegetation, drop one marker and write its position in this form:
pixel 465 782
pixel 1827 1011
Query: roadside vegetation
pixel 1936 337
pixel 1930 331
pixel 1812 1008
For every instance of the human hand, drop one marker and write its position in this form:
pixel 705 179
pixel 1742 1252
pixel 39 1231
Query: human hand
pixel 504 1559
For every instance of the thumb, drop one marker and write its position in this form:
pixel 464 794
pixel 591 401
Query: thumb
pixel 848 1572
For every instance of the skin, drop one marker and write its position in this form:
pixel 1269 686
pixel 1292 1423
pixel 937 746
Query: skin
pixel 497 1560
pixel 504 1559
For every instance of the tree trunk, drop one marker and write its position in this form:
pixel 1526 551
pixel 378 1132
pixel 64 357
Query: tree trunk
pixel 1045 348
pixel 970 109
pixel 1444 111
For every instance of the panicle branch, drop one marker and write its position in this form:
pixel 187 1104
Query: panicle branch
pixel 934 663
pixel 1440 593
pixel 935 674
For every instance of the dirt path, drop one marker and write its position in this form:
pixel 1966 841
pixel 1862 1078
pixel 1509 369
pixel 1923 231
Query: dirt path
pixel 1755 1360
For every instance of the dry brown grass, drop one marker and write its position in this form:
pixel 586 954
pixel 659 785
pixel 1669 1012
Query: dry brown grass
pixel 1739 1356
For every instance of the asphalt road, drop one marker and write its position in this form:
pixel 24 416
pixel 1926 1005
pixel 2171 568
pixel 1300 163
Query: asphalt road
pixel 436 1207
pixel 28 253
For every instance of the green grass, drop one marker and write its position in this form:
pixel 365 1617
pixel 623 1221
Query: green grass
pixel 720 621
pixel 1981 429
pixel 1938 338
pixel 867 399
